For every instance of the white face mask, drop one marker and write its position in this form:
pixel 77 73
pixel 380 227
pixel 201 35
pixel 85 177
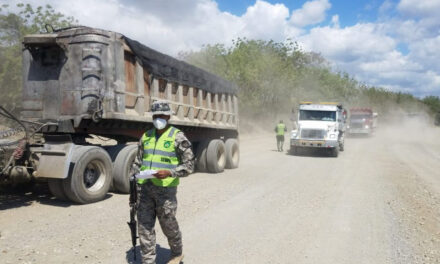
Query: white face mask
pixel 160 123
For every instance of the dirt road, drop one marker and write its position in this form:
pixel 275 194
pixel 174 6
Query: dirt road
pixel 378 202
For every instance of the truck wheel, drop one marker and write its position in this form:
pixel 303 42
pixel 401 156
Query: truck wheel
pixel 122 168
pixel 56 188
pixel 90 178
pixel 113 151
pixel 216 156
pixel 232 153
pixel 201 156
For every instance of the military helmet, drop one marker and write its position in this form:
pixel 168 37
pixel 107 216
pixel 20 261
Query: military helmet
pixel 160 107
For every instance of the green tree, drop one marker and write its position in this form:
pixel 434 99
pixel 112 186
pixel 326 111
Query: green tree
pixel 13 27
pixel 433 102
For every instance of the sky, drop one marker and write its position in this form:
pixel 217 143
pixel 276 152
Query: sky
pixel 393 44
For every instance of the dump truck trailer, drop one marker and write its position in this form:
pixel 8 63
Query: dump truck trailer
pixel 81 81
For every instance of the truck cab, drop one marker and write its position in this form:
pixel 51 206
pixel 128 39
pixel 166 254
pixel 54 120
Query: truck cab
pixel 362 121
pixel 319 125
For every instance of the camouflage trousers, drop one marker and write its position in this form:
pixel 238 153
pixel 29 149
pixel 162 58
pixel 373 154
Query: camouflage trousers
pixel 161 202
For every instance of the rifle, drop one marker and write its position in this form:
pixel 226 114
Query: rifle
pixel 132 224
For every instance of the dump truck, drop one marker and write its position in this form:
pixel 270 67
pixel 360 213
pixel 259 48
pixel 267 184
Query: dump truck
pixel 362 121
pixel 82 82
pixel 319 125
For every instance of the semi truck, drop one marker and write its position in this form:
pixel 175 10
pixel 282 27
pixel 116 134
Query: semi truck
pixel 361 121
pixel 82 82
pixel 319 126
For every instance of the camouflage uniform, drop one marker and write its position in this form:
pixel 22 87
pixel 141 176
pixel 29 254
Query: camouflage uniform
pixel 161 202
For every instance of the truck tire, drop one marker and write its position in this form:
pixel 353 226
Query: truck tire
pixel 122 167
pixel 113 151
pixel 56 188
pixel 201 165
pixel 91 176
pixel 232 153
pixel 216 156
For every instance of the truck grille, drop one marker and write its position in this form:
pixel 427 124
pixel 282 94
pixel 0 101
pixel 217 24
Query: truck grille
pixel 313 133
pixel 356 125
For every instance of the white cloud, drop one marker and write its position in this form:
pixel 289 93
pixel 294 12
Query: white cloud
pixel 177 25
pixel 335 21
pixel 419 8
pixel 265 21
pixel 370 53
pixel 359 42
pixel 389 64
pixel 312 12
pixel 426 51
pixel 386 6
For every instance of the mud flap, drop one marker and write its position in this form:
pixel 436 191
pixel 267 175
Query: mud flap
pixel 54 159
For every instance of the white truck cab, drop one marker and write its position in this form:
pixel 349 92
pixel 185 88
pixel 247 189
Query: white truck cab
pixel 319 125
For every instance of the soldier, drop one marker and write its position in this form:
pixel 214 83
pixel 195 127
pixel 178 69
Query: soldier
pixel 166 150
pixel 280 129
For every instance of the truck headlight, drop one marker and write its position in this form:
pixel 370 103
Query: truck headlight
pixel 332 136
pixel 293 134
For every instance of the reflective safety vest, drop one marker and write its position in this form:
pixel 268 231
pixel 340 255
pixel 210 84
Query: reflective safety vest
pixel 160 154
pixel 280 129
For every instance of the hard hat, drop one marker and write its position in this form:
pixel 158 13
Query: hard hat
pixel 160 107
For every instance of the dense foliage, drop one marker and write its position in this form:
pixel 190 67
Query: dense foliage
pixel 433 102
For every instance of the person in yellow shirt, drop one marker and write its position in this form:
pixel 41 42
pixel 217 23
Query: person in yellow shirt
pixel 280 129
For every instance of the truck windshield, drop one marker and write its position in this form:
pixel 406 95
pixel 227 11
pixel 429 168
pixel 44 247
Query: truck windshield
pixel 317 115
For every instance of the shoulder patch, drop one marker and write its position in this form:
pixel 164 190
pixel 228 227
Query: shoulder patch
pixel 167 144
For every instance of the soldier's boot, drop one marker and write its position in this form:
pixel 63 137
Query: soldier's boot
pixel 176 259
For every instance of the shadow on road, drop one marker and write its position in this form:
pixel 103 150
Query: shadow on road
pixel 162 255
pixel 14 197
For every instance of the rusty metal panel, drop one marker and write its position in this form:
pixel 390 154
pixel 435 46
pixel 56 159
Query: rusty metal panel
pixel 140 97
pixel 130 80
pixel 146 90
pixel 162 87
